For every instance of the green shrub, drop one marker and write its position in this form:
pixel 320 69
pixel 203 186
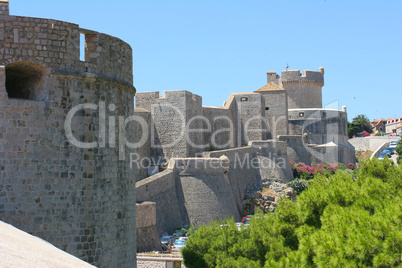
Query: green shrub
pixel 299 185
pixel 338 221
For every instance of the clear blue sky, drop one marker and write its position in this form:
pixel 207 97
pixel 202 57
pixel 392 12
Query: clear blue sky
pixel 214 47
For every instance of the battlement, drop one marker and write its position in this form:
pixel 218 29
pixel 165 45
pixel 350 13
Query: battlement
pixel 306 76
pixel 4 10
pixel 294 76
pixel 175 97
pixel 56 45
pixel 166 94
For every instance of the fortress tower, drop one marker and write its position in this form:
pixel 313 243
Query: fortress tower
pixel 304 88
pixel 61 177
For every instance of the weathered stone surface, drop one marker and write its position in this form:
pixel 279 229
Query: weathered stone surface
pixel 20 249
pixel 82 200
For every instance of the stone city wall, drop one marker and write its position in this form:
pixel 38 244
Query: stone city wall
pixel 162 189
pixel 251 113
pixel 147 232
pixel 170 116
pixel 198 190
pixel 259 165
pixel 182 127
pixel 140 159
pixel 224 130
pixel 68 182
pixel 241 173
pixel 81 200
pixel 371 143
pixel 206 190
pixel 303 95
pixel 299 150
pixel 320 125
pixel 276 112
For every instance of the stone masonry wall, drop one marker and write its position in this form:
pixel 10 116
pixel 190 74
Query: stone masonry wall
pixel 81 200
pixel 56 44
pixel 251 115
pixel 147 233
pixel 3 92
pixel 68 182
pixel 162 189
pixel 370 143
pixel 168 123
pixel 261 164
pixel 140 159
pixel 320 125
pixel 303 94
pixel 206 190
pixel 225 128
pixel 182 127
pixel 276 112
pixel 304 88
pixel 4 10
pixel 212 187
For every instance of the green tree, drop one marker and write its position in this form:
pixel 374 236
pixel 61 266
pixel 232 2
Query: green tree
pixel 398 150
pixel 354 128
pixel 364 122
pixel 340 221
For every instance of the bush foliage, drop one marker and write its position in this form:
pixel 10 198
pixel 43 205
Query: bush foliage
pixel 306 172
pixel 398 150
pixel 337 222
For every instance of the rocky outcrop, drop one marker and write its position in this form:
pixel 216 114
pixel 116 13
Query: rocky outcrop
pixel 267 199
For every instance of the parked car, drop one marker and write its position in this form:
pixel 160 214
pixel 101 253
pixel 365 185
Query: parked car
pixel 393 144
pixel 384 154
pixel 183 238
pixel 179 233
pixel 390 150
pixel 167 242
pixel 246 219
pixel 180 243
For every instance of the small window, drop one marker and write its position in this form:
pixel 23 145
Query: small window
pixel 301 114
pixel 324 114
pixel 266 108
pixel 82 47
pixel 243 99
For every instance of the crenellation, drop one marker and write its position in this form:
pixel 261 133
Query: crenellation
pixel 304 76
pixel 54 42
pixel 4 7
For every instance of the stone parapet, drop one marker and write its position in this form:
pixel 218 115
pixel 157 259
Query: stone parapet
pixel 56 44
pixel 4 9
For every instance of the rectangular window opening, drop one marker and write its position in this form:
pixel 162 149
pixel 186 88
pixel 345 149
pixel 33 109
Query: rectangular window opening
pixel 82 47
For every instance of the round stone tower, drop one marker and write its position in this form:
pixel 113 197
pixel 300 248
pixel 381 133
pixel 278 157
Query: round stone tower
pixel 304 88
pixel 64 174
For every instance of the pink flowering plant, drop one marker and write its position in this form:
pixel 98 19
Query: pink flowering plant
pixel 304 173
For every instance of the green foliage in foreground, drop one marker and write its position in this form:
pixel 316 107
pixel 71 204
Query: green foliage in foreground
pixel 398 150
pixel 336 222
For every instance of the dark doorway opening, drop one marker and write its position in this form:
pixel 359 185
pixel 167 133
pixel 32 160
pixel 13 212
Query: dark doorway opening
pixel 26 80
